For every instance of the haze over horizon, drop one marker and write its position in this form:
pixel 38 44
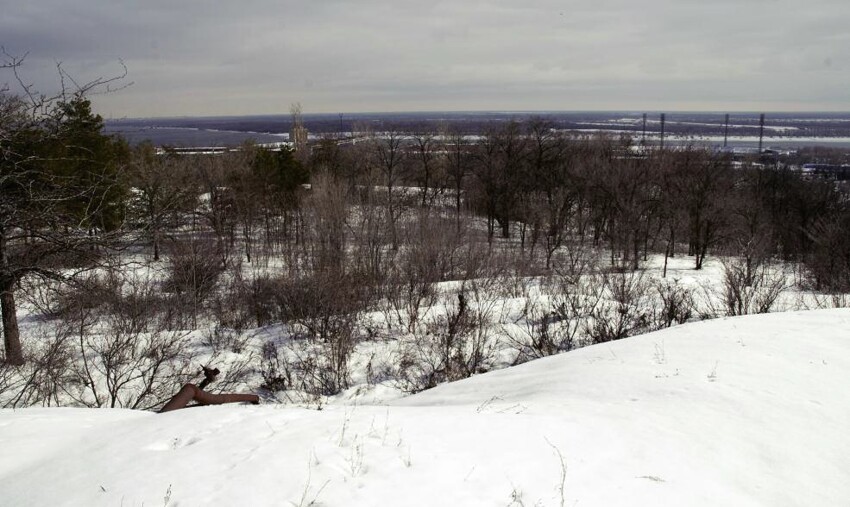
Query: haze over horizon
pixel 651 112
pixel 490 55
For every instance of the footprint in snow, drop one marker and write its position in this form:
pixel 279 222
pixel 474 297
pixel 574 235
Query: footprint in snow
pixel 173 444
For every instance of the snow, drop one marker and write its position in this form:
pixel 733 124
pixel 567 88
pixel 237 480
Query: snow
pixel 738 411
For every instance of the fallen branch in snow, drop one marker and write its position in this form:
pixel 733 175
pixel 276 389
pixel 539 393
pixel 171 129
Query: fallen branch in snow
pixel 191 392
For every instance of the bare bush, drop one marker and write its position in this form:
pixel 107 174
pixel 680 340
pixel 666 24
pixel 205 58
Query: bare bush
pixel 194 268
pixel 751 288
pixel 828 265
pixel 307 367
pixel 230 304
pixel 121 355
pixel 138 370
pixel 221 339
pixel 539 334
pixel 576 289
pixel 455 344
pixel 135 301
pixel 822 301
pixel 193 271
pixel 436 242
pixel 677 304
pixel 370 249
pixel 245 300
pixel 87 293
pixel 44 378
pixel 274 369
pixel 239 373
pixel 322 305
pixel 425 260
pixel 625 310
pixel 555 320
pixel 326 367
pixel 323 310
pixel 258 294
pixel 107 348
pixel 9 382
pixel 473 260
pixel 42 295
pixel 328 207
pixel 408 294
pixel 515 274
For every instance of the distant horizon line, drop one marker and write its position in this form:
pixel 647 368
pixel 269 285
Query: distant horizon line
pixel 487 112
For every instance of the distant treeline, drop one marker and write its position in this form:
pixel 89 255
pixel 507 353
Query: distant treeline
pixel 677 124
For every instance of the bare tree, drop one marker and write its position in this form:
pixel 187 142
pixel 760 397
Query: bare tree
pixel 706 182
pixel 60 188
pixel 298 133
pixel 328 207
pixel 626 201
pixel 553 184
pixel 161 191
pixel 390 157
pixel 217 207
pixel 458 160
pixel 428 164
pixel 491 184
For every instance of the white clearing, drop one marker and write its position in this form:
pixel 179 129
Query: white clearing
pixel 740 411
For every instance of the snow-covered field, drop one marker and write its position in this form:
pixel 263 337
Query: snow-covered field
pixel 739 411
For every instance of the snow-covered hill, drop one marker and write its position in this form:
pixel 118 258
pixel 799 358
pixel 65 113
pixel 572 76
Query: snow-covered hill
pixel 742 411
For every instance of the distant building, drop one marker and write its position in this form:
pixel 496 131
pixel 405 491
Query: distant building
pixel 215 150
pixel 828 171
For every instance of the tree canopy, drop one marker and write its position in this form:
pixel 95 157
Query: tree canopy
pixel 61 189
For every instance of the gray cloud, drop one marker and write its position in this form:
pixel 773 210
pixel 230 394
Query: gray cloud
pixel 194 57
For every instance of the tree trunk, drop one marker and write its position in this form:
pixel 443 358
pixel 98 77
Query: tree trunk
pixel 457 205
pixel 11 335
pixel 156 245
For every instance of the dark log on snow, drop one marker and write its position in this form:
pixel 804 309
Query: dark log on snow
pixel 191 392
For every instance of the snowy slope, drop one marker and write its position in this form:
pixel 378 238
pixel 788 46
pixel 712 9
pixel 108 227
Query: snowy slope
pixel 743 411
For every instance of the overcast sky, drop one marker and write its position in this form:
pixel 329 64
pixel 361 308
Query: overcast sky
pixel 256 57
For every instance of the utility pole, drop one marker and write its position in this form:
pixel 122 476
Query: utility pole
pixel 663 117
pixel 643 136
pixel 726 131
pixel 761 130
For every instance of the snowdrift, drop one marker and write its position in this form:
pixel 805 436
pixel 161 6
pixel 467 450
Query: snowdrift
pixel 741 411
